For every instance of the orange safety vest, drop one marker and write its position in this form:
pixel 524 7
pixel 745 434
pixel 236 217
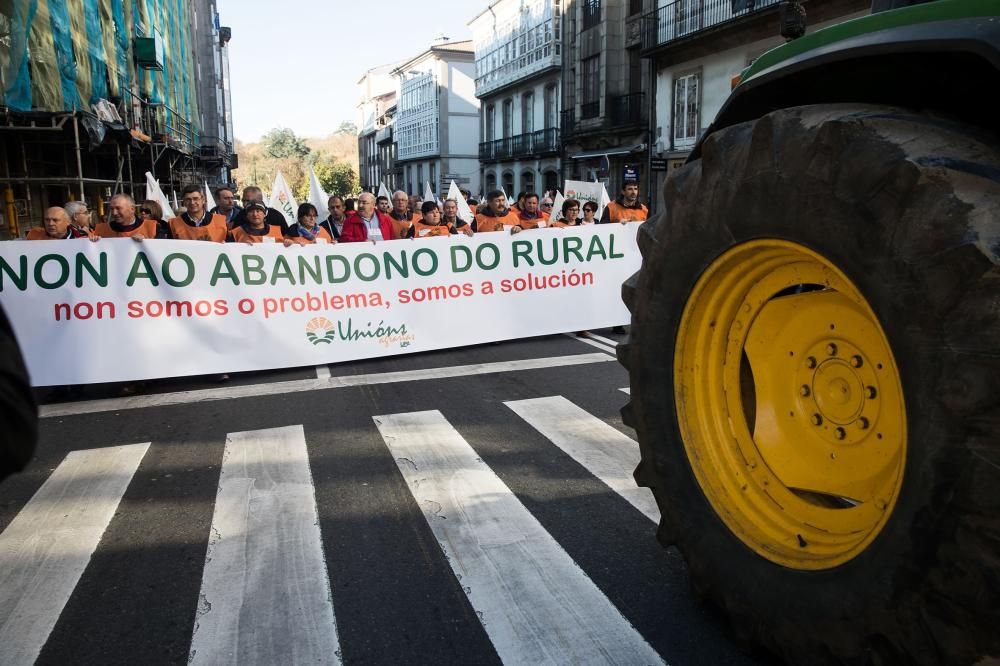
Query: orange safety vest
pixel 619 213
pixel 489 223
pixel 38 233
pixel 541 221
pixel 273 231
pixel 216 229
pixel 421 230
pixel 401 227
pixel 147 229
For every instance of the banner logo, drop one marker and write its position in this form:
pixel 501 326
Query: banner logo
pixel 320 329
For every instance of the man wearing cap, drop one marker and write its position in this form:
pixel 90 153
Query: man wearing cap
pixel 196 224
pixel 272 217
pixel 626 208
pixel 256 229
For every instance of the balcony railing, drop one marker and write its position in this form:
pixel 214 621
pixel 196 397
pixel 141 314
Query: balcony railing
pixel 542 142
pixel 590 110
pixel 567 122
pixel 626 109
pixel 683 18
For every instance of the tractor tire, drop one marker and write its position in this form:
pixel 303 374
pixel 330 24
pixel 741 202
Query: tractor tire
pixel 832 520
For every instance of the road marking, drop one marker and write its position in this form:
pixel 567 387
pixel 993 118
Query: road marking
pixel 603 451
pixel 322 372
pixel 608 341
pixel 593 343
pixel 45 549
pixel 300 385
pixel 627 390
pixel 536 604
pixel 265 595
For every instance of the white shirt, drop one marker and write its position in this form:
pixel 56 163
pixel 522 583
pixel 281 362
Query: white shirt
pixel 374 228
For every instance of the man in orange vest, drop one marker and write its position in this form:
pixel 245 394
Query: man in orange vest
pixel 402 215
pixel 626 208
pixel 56 225
pixel 195 223
pixel 530 216
pixel 497 217
pixel 123 222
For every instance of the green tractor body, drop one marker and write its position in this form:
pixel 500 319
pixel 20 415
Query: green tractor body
pixel 814 354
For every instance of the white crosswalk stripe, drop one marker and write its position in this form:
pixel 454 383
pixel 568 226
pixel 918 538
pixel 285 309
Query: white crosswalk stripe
pixel 603 451
pixel 45 549
pixel 535 603
pixel 265 594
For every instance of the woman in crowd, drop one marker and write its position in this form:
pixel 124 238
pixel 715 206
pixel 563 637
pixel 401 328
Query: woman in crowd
pixel 429 224
pixel 589 213
pixel 151 210
pixel 306 231
pixel 570 214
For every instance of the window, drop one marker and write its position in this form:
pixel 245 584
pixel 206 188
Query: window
pixel 591 13
pixel 420 179
pixel 591 87
pixel 508 118
pixel 687 110
pixel 528 181
pixel 491 182
pixel 508 184
pixel 491 121
pixel 433 169
pixel 527 113
pixel 409 177
pixel 634 7
pixel 551 107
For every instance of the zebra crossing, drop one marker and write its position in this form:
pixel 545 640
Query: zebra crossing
pixel 266 595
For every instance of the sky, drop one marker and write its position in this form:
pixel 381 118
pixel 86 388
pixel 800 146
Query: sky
pixel 296 63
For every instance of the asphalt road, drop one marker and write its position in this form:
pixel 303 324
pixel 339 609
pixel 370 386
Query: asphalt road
pixel 453 521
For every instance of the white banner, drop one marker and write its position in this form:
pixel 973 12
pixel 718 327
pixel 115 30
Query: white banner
pixel 583 192
pixel 318 196
pixel 118 310
pixel 282 199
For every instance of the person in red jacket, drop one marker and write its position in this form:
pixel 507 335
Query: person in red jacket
pixel 366 223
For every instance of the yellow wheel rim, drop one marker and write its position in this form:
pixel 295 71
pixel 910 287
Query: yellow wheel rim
pixel 790 404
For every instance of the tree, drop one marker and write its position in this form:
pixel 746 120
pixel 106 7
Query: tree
pixel 347 127
pixel 335 177
pixel 281 142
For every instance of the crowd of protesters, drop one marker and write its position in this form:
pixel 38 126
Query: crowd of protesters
pixel 366 218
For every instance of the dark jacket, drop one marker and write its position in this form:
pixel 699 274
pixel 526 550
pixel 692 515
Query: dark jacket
pixel 331 228
pixel 273 218
pixel 18 413
pixel 229 218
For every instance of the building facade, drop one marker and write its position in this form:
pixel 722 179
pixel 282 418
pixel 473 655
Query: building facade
pixel 92 101
pixel 436 120
pixel 696 49
pixel 518 46
pixel 604 121
pixel 376 110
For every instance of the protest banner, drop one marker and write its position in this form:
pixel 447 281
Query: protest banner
pixel 282 199
pixel 583 192
pixel 117 310
pixel 209 199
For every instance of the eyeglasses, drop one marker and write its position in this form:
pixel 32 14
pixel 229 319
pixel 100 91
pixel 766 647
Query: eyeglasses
pixel 145 211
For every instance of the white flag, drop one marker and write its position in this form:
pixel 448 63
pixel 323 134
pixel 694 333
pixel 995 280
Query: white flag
pixel 282 199
pixel 317 196
pixel 428 192
pixel 603 202
pixel 557 204
pixel 464 212
pixel 209 199
pixel 154 193
pixel 383 191
pixel 173 193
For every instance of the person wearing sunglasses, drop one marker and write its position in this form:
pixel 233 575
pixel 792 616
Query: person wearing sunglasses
pixel 151 210
pixel 589 213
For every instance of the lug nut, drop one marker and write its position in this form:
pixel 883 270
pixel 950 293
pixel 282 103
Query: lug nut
pixel 839 433
pixel 817 420
pixel 811 362
pixel 831 349
pixel 863 423
pixel 804 391
pixel 870 392
pixel 856 362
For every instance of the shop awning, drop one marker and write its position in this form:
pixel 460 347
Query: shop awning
pixel 617 150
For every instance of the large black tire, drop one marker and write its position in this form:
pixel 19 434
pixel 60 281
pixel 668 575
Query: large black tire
pixel 908 206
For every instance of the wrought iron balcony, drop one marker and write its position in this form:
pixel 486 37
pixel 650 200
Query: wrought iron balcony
pixel 684 18
pixel 532 144
pixel 625 109
pixel 567 122
pixel 590 110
